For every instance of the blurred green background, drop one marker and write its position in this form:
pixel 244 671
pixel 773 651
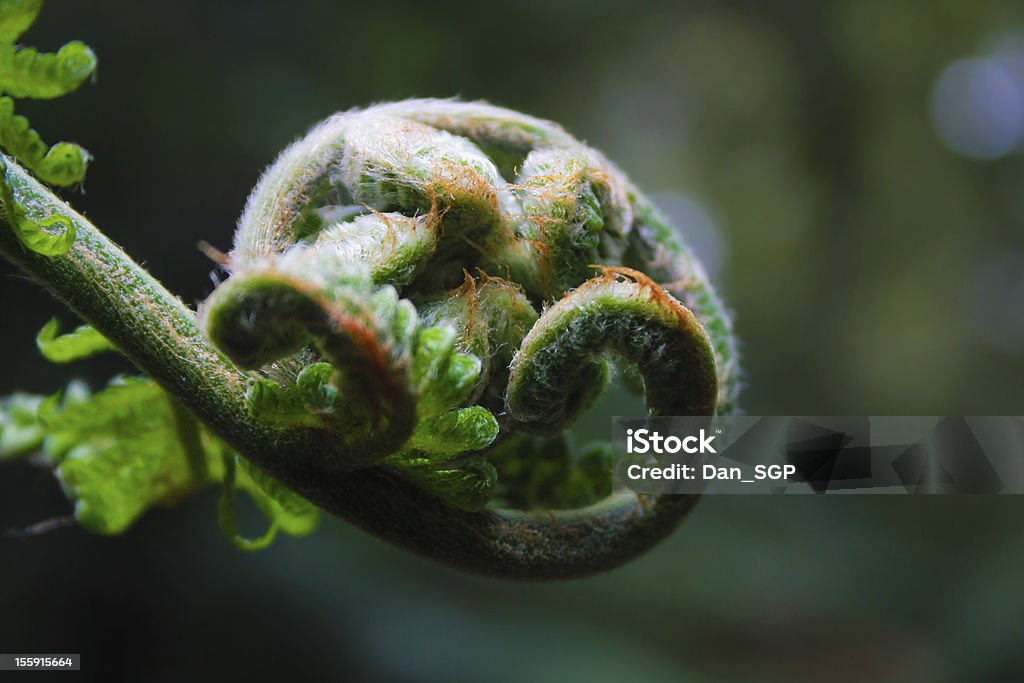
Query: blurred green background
pixel 852 174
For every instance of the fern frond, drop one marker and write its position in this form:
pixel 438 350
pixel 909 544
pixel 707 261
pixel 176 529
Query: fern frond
pixel 26 72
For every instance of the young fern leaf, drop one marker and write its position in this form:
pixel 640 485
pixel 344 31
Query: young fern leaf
pixel 50 236
pixel 62 165
pixel 454 432
pixel 265 314
pixel 131 447
pixel 493 316
pixel 82 342
pixel 24 72
pixel 436 455
pixel 122 451
pixel 305 403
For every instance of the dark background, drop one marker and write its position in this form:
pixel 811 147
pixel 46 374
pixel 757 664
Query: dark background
pixel 851 173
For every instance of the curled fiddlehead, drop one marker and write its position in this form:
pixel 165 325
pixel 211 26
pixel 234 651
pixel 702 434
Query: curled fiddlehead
pixel 424 296
pixel 532 258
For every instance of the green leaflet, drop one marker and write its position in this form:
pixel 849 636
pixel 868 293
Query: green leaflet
pixel 435 456
pixel 62 164
pixel 51 236
pixel 25 72
pixel 279 406
pixel 314 384
pixel 443 377
pixel 308 403
pixel 444 433
pixel 493 315
pixel 129 448
pixel 126 449
pixel 83 342
pixel 455 432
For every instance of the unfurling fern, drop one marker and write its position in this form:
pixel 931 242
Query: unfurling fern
pixel 424 296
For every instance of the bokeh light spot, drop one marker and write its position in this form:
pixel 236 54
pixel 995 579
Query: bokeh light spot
pixel 978 108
